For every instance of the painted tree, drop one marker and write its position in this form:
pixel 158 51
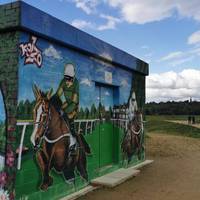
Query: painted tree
pixel 93 111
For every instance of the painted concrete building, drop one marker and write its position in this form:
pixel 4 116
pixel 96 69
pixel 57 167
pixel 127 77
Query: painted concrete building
pixel 71 106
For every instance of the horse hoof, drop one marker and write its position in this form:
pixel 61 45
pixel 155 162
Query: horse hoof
pixel 44 187
pixel 50 181
pixel 85 178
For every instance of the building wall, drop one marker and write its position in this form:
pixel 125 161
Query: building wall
pixel 9 88
pixel 105 92
pixel 41 65
pixel 9 18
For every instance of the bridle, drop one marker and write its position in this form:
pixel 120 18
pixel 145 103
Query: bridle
pixel 45 125
pixel 139 124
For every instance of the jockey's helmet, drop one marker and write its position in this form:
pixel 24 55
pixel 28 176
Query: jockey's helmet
pixel 69 70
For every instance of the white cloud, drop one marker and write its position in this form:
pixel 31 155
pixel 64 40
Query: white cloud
pixel 86 81
pixel 194 38
pixel 88 6
pixel 81 24
pixel 124 83
pixel 107 93
pixel 172 55
pixel 143 11
pixel 173 86
pixel 52 52
pixel 111 22
pixel 145 47
pixel 107 56
pixel 180 57
pixel 181 61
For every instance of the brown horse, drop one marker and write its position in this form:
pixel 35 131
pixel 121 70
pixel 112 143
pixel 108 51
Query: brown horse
pixel 132 141
pixel 51 138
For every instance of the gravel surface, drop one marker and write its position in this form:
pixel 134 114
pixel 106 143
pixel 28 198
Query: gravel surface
pixel 174 175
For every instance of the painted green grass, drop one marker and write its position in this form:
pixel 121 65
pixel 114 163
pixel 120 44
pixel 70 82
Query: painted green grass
pixel 157 124
pixel 29 177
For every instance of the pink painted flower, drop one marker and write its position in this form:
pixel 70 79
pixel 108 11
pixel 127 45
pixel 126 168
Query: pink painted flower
pixel 4 194
pixel 10 159
pixel 12 196
pixel 3 179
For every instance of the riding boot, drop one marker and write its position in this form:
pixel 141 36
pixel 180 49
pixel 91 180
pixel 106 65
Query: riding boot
pixel 72 149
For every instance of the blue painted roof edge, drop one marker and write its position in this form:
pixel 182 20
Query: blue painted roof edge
pixel 39 22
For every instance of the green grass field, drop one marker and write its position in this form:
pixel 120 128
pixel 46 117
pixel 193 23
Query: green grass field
pixel 158 124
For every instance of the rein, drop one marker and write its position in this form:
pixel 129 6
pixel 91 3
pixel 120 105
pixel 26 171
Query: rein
pixel 136 132
pixel 46 126
pixel 138 124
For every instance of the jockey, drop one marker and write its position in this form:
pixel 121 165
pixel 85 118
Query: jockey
pixel 68 93
pixel 132 107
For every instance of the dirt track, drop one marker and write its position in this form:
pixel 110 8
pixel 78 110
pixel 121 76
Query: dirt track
pixel 175 174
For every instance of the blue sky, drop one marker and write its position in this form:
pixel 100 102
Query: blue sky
pixel 166 34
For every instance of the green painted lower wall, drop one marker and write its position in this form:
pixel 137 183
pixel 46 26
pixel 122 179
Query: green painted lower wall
pixel 98 164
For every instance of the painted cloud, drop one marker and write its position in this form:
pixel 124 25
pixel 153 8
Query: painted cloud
pixel 52 52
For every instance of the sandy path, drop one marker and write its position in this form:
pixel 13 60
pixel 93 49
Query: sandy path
pixel 184 122
pixel 175 174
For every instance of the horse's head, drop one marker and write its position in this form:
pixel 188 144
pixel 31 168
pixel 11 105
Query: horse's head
pixel 41 115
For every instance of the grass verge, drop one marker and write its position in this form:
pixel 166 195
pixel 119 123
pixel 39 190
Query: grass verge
pixel 158 124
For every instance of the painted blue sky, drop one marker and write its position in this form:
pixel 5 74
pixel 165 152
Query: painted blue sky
pixel 88 70
pixel 2 110
pixel 166 34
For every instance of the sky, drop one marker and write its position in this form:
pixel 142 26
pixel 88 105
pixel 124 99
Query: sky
pixel 166 34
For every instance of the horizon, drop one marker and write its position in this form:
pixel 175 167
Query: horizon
pixel 166 35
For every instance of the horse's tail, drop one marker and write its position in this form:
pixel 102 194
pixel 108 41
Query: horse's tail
pixel 85 144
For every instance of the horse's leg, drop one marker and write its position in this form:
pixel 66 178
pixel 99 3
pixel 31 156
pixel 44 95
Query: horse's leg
pixel 59 156
pixel 82 164
pixel 44 166
pixel 141 147
pixel 138 146
pixel 69 168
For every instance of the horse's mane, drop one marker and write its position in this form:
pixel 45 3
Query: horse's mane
pixel 56 102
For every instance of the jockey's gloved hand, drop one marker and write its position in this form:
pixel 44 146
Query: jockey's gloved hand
pixel 61 112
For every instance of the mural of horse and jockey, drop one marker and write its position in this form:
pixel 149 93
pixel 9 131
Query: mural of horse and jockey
pixel 57 95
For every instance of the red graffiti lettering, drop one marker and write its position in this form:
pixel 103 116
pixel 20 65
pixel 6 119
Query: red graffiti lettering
pixel 31 53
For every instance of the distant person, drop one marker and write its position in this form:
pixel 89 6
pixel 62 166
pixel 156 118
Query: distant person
pixel 189 119
pixel 193 119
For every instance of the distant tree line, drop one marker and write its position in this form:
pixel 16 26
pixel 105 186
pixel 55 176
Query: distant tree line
pixel 173 108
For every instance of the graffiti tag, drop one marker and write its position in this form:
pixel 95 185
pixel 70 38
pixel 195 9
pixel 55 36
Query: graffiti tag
pixel 31 53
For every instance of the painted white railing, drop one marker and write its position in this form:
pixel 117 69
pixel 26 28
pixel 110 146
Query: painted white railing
pixel 87 122
pixel 24 124
pixel 121 123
